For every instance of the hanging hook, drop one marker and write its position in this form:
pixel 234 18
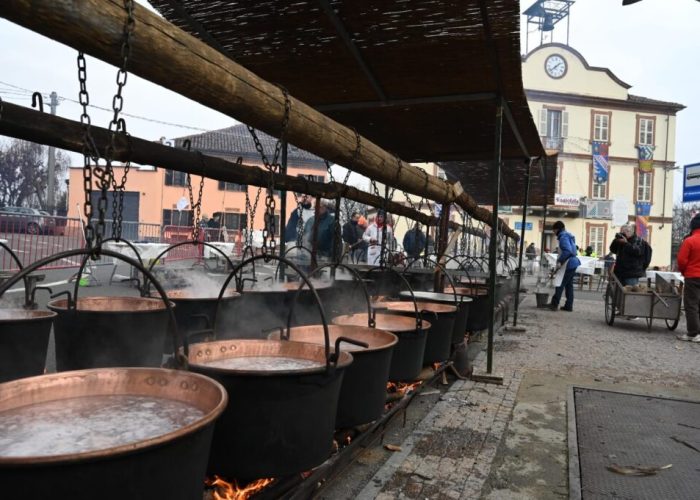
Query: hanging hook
pixel 121 125
pixel 187 144
pixel 36 96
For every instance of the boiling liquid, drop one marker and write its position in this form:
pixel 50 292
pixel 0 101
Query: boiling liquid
pixel 79 425
pixel 264 363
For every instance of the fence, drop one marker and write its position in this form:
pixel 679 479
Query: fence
pixel 33 238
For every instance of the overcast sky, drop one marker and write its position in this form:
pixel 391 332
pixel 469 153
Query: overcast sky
pixel 653 45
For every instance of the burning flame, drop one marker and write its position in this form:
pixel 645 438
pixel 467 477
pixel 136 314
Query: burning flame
pixel 223 490
pixel 402 387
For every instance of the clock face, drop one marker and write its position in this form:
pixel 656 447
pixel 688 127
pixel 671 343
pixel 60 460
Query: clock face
pixel 555 66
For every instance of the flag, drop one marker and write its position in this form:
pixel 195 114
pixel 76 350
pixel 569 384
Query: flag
pixel 600 162
pixel 643 208
pixel 642 224
pixel 646 157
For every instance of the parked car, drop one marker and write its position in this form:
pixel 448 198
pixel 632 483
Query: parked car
pixel 53 225
pixel 24 220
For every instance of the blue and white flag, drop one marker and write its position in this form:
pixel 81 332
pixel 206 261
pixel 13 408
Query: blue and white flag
pixel 600 162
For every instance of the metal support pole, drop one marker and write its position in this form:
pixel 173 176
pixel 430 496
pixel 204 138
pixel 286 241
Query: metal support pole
pixel 382 255
pixel 493 247
pixel 283 208
pixel 51 167
pixel 438 283
pixel 544 223
pixel 522 246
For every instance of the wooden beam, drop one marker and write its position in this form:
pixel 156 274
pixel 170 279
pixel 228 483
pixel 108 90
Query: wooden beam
pixel 30 125
pixel 168 56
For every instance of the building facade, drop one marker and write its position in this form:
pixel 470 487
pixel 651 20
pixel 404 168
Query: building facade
pixel 161 196
pixel 616 152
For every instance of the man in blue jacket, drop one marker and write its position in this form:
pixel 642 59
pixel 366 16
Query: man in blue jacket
pixel 567 257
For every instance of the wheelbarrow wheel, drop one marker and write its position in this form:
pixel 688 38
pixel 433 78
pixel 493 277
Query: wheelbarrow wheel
pixel 609 306
pixel 672 324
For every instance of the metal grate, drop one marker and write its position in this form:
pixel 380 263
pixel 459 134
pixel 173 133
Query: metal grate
pixel 634 430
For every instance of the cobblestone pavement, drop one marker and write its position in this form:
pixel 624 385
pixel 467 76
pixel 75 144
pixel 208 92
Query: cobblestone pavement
pixel 509 441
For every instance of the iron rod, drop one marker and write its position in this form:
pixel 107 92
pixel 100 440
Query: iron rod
pixel 522 245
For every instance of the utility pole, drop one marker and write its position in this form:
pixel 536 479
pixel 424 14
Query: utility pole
pixel 50 187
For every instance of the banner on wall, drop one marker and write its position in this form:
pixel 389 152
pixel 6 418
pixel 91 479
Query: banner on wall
pixel 646 157
pixel 643 208
pixel 600 162
pixel 642 227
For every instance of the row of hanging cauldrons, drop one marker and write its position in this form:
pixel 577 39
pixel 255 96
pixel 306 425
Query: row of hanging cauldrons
pixel 289 392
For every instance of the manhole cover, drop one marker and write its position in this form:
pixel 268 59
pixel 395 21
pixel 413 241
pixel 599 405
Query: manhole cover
pixel 631 430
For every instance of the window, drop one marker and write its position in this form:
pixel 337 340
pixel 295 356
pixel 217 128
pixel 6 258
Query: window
pixel 177 217
pixel 601 126
pixel 596 238
pixel 644 184
pixel 599 190
pixel 554 126
pixel 175 178
pixel 231 186
pixel 233 221
pixel 645 128
pixel 557 180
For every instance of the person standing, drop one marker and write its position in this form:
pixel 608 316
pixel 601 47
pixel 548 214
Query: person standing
pixel 296 219
pixel 633 256
pixel 352 236
pixel 530 253
pixel 688 259
pixel 325 231
pixel 373 236
pixel 414 241
pixel 567 262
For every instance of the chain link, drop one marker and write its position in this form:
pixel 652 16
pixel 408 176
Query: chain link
pixel 269 243
pixel 196 207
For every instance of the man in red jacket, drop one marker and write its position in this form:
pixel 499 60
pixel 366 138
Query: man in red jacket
pixel 689 266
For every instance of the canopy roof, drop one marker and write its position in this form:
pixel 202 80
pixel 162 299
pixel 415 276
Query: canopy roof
pixel 421 79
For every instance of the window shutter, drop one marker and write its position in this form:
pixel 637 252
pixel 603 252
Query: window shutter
pixel 565 124
pixel 543 122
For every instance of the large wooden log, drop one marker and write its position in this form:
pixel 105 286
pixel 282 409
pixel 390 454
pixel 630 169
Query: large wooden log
pixel 166 55
pixel 27 124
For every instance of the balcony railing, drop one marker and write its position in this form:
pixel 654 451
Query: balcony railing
pixel 553 143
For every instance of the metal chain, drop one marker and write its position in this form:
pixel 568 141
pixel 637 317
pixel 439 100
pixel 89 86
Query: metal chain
pixel 196 207
pixel 269 243
pixel 89 150
pixel 251 209
pixel 117 125
pixel 1 108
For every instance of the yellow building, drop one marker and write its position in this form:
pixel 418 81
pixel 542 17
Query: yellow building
pixel 581 110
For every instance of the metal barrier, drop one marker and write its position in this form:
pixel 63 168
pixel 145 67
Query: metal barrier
pixel 33 238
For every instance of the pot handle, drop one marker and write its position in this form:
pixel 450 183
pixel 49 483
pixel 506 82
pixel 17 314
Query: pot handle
pixel 449 278
pixel 305 279
pixel 71 302
pixel 180 357
pixel 31 303
pixel 371 322
pixel 419 321
pixel 336 355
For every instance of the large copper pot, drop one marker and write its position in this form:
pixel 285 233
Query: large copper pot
pixel 112 434
pixel 407 359
pixel 283 420
pixel 479 314
pixel 24 341
pixel 99 332
pixel 197 313
pixel 363 393
pixel 442 320
pixel 461 301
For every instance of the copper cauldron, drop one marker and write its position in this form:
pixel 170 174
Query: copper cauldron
pixel 24 341
pixel 197 313
pixel 286 396
pixel 363 393
pixel 112 434
pixel 100 332
pixel 407 359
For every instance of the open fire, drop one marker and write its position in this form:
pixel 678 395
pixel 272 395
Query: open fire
pixel 223 490
pixel 401 388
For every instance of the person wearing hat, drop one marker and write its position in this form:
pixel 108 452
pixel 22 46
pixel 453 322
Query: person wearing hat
pixel 688 259
pixel 568 260
pixel 373 236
